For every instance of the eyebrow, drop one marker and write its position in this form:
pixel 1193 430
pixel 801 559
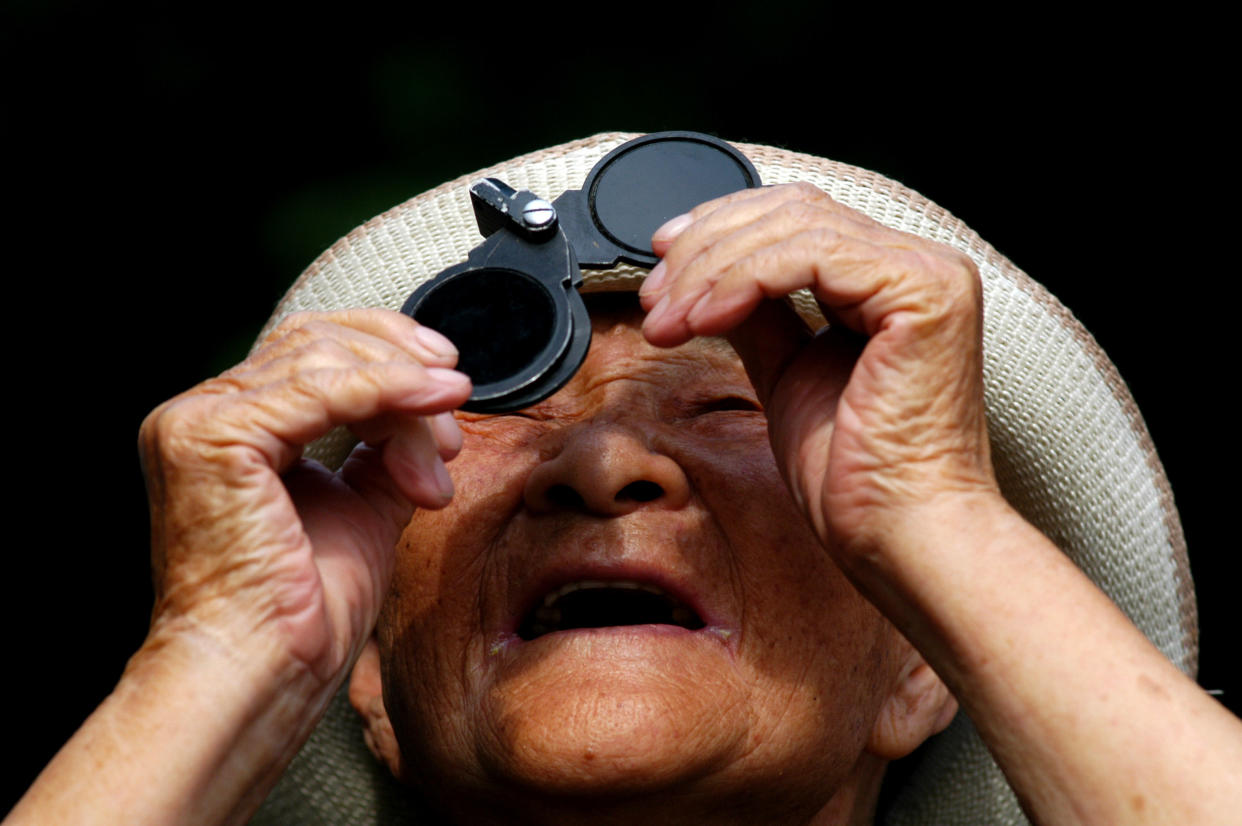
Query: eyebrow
pixel 717 343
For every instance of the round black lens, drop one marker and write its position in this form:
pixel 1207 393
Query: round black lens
pixel 500 321
pixel 644 186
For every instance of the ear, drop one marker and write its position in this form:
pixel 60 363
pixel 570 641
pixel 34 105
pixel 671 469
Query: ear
pixel 366 695
pixel 919 706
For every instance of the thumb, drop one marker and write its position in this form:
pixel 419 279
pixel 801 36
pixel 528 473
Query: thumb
pixel 767 343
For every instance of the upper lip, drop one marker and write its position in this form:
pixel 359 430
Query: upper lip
pixel 680 552
pixel 627 573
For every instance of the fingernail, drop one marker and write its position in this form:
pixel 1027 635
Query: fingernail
pixel 444 482
pixel 657 312
pixel 693 315
pixel 436 386
pixel 654 279
pixel 446 377
pixel 446 432
pixel 434 341
pixel 673 227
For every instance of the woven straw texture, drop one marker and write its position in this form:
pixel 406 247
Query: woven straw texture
pixel 1071 452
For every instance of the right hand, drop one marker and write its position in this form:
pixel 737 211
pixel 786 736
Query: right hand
pixel 262 551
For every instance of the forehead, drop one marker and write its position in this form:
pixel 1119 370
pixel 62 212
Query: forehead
pixel 612 311
pixel 622 369
pixel 618 346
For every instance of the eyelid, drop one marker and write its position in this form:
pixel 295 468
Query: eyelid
pixel 469 416
pixel 730 402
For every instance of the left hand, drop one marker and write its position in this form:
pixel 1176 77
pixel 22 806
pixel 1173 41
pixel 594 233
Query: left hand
pixel 868 423
pixel 880 433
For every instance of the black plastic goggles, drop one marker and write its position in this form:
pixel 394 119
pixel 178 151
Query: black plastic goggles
pixel 512 308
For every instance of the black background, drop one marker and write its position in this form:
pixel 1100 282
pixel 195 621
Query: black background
pixel 169 173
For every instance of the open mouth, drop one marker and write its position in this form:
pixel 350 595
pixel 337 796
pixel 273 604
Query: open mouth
pixel 602 604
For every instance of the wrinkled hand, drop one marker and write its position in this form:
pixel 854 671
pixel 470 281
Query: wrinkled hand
pixel 860 437
pixel 256 547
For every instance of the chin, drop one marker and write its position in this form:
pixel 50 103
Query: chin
pixel 622 725
pixel 625 710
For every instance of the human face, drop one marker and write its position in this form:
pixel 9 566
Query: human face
pixel 649 472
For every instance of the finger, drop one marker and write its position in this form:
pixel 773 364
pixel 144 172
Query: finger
pixel 724 214
pixel 711 217
pixel 857 281
pixel 767 341
pixel 323 498
pixel 739 207
pixel 442 426
pixel 278 419
pixel 803 407
pixel 751 200
pixel 287 359
pixel 412 459
pixel 360 326
pixel 447 434
pixel 785 210
pixel 342 526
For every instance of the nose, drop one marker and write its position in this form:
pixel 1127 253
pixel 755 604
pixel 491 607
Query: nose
pixel 607 469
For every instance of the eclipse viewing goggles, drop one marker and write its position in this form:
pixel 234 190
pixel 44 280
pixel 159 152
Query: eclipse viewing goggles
pixel 512 308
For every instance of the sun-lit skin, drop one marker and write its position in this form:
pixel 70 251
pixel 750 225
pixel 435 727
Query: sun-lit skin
pixel 774 700
pixel 652 466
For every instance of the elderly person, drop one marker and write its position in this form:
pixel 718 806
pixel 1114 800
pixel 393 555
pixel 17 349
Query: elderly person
pixel 727 574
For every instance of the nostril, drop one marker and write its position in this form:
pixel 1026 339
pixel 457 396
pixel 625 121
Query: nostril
pixel 640 491
pixel 563 496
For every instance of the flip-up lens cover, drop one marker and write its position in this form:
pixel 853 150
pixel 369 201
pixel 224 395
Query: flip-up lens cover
pixel 644 183
pixel 512 308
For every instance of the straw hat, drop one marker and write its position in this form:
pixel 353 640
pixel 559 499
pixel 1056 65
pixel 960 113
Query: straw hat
pixel 1070 450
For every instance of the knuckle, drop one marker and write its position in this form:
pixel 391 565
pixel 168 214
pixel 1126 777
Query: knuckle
pixel 805 190
pixel 290 323
pixel 315 329
pixel 230 381
pixel 317 339
pixel 319 349
pixel 800 213
pixel 172 431
pixel 790 212
pixel 961 279
pixel 954 286
pixel 382 317
pixel 826 239
pixel 148 432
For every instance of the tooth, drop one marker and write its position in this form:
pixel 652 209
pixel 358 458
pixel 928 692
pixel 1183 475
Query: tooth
pixel 586 584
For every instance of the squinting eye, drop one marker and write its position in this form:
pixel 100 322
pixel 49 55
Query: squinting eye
pixel 493 417
pixel 726 403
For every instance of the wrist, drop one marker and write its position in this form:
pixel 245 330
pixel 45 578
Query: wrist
pixel 256 658
pixel 196 731
pixel 939 569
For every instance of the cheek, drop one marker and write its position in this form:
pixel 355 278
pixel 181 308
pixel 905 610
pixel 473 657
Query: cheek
pixel 431 624
pixel 443 554
pixel 817 651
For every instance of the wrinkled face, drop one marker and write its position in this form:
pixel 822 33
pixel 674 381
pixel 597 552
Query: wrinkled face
pixel 623 600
